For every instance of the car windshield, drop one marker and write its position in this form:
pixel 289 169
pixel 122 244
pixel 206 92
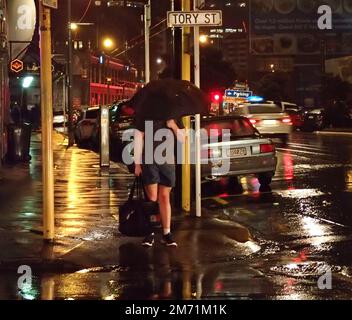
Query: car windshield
pixel 259 109
pixel 239 128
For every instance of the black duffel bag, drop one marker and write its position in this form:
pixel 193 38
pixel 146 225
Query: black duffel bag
pixel 135 215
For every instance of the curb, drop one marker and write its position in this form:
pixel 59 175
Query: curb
pixel 334 133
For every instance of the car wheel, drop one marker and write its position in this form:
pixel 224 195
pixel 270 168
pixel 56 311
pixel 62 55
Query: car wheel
pixel 235 185
pixel 266 178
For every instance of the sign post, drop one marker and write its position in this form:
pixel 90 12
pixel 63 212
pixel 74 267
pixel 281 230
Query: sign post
pixel 47 122
pixel 187 19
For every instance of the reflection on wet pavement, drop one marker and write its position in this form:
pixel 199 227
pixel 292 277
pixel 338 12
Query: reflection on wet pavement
pixel 295 232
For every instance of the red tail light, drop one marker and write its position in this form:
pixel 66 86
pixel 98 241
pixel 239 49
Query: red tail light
pixel 287 120
pixel 267 148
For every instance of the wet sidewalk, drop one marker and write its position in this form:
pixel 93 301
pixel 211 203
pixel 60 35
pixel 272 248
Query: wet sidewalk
pixel 87 238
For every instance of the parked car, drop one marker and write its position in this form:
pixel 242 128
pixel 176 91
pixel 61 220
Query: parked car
pixel 314 119
pixel 84 130
pixel 120 119
pixel 59 119
pixel 297 118
pixel 269 119
pixel 247 151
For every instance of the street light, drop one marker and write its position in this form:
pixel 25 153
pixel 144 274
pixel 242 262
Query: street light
pixel 27 81
pixel 73 26
pixel 108 43
pixel 203 38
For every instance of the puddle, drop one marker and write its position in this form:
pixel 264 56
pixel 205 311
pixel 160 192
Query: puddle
pixel 307 269
pixel 300 193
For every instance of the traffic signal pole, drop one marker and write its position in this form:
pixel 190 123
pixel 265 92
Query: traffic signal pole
pixel 147 24
pixel 198 177
pixel 47 122
pixel 186 75
pixel 69 78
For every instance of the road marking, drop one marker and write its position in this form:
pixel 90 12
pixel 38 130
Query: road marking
pixel 220 201
pixel 305 152
pixel 331 133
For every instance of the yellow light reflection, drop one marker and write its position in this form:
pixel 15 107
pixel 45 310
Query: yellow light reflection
pixel 316 230
pixel 349 180
pixel 72 193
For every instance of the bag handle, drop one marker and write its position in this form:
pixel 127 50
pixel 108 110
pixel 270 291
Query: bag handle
pixel 137 188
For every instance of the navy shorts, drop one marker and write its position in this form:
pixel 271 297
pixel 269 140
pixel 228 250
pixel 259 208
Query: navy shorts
pixel 164 174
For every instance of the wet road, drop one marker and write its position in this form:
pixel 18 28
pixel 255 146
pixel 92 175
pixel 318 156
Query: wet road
pixel 300 230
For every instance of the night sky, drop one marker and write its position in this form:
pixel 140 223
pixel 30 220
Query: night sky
pixel 123 24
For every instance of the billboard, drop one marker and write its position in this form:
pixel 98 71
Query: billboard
pixel 292 16
pixel 21 17
pixel 290 27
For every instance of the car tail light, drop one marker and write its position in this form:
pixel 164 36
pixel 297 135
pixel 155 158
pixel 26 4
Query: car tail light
pixel 267 148
pixel 287 120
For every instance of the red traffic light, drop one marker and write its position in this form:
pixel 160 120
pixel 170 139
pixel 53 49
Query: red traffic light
pixel 215 97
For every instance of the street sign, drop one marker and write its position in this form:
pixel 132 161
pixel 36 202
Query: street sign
pixel 238 93
pixel 50 3
pixel 16 65
pixel 194 18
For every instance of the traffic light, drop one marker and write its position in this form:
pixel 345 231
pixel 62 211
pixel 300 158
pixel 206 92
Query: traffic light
pixel 215 97
pixel 216 101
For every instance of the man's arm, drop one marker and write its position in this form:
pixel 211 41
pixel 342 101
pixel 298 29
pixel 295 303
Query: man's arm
pixel 179 133
pixel 138 151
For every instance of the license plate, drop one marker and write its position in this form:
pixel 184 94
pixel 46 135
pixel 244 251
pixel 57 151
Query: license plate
pixel 269 122
pixel 311 117
pixel 237 152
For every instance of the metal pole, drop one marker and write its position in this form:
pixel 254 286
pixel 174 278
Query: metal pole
pixel 147 24
pixel 198 168
pixel 198 175
pixel 104 137
pixel 47 123
pixel 70 78
pixel 196 50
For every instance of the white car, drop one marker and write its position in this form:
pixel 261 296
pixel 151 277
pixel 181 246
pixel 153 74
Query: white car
pixel 269 119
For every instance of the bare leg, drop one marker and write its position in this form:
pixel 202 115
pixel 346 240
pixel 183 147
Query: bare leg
pixel 165 206
pixel 152 192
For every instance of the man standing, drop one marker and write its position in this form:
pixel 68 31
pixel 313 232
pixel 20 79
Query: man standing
pixel 158 175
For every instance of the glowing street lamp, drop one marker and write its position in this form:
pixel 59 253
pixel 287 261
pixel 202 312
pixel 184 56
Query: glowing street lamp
pixel 73 26
pixel 108 43
pixel 203 39
pixel 27 81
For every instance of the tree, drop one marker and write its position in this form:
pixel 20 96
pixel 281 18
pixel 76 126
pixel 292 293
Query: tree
pixel 334 88
pixel 272 86
pixel 215 71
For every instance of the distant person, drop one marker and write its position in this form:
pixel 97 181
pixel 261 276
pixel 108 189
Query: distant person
pixel 15 113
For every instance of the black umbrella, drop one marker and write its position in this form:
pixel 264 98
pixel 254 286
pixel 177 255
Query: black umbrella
pixel 168 99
